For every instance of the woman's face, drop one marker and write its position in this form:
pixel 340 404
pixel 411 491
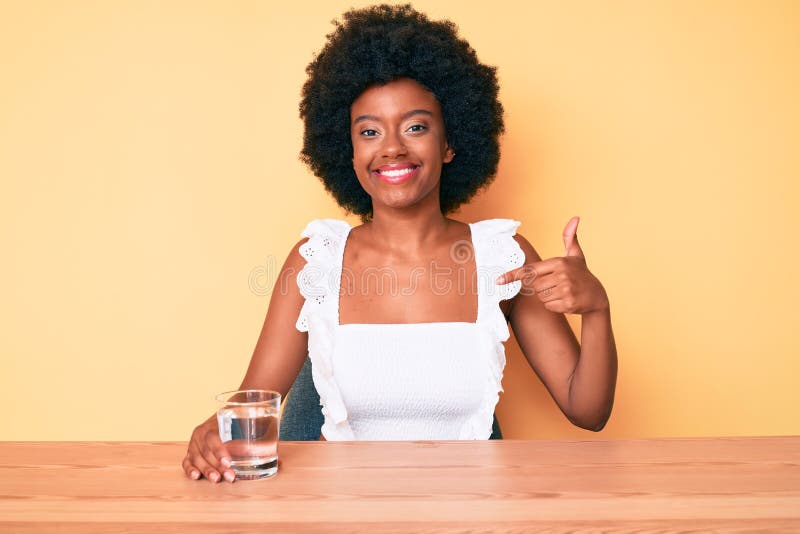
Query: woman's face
pixel 399 143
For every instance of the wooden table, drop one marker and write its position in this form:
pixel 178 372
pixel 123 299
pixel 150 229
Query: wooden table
pixel 480 486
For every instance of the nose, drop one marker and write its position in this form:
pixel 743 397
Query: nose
pixel 393 145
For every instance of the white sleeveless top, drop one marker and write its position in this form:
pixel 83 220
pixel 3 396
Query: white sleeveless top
pixel 417 381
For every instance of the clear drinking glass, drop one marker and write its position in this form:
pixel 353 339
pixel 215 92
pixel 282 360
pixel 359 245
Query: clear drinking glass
pixel 248 426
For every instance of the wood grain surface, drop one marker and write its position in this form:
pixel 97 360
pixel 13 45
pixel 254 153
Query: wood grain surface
pixel 649 485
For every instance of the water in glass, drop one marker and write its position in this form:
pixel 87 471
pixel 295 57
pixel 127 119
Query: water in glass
pixel 250 434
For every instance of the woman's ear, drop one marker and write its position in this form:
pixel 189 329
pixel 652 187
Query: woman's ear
pixel 449 154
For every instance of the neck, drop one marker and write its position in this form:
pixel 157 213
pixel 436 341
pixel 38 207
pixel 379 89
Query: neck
pixel 408 232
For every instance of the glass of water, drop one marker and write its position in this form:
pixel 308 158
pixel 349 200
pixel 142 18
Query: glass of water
pixel 248 426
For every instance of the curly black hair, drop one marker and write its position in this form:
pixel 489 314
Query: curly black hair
pixel 379 44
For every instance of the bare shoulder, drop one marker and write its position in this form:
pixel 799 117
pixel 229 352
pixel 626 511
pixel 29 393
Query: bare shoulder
pixel 530 253
pixel 294 259
pixel 286 292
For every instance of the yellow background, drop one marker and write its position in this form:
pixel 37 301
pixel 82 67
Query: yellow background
pixel 151 187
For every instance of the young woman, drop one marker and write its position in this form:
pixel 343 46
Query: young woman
pixel 405 315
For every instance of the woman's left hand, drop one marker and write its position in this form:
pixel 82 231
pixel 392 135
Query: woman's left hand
pixel 563 284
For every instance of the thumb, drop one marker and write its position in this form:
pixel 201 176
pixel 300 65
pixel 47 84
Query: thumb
pixel 571 246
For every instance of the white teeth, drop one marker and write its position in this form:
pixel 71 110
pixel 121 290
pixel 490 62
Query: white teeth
pixel 399 172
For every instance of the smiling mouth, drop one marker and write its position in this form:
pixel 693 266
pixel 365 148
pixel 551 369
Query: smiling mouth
pixel 396 173
pixel 396 176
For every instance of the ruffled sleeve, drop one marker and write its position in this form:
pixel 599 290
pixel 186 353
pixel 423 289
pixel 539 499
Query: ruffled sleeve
pixel 320 278
pixel 496 252
pixel 319 282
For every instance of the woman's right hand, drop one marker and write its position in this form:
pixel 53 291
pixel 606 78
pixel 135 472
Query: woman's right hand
pixel 207 455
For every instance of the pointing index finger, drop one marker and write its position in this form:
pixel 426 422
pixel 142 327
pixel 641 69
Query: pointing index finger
pixel 528 272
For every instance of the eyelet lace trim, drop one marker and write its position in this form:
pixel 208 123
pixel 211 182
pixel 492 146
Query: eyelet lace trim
pixel 496 252
pixel 319 283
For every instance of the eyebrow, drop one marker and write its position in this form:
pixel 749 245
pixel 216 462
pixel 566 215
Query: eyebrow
pixel 405 115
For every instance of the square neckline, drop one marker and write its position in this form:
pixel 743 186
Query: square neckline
pixel 339 323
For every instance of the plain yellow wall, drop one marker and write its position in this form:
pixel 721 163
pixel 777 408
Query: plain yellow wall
pixel 151 187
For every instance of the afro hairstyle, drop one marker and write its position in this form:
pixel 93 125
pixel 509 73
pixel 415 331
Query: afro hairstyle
pixel 374 46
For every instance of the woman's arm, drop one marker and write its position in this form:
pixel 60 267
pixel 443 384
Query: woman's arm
pixel 281 348
pixel 580 377
pixel 278 356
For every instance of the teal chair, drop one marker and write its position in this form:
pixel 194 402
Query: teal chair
pixel 302 418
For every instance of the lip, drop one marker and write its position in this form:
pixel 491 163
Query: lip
pixel 396 179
